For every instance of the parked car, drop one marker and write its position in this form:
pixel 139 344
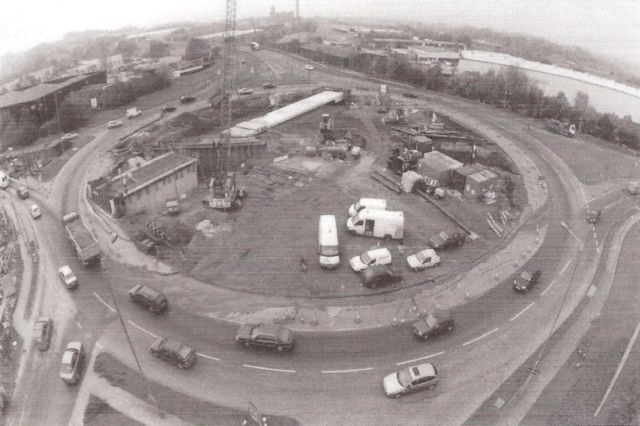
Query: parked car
pixel 245 91
pixel 69 136
pixel 409 95
pixel 410 379
pixel 423 259
pixel 633 188
pixel 35 211
pixel 444 240
pixel 22 192
pixel 148 297
pixel 42 333
pixel 593 216
pixel 114 123
pixel 174 351
pixel 379 276
pixel 72 363
pixel 435 323
pixel 68 277
pixel 268 86
pixel 526 280
pixel 265 335
pixel 187 99
pixel 309 67
pixel 379 256
pixel 168 108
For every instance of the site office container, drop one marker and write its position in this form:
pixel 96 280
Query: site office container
pixel 328 246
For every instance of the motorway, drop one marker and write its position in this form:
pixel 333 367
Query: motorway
pixel 331 378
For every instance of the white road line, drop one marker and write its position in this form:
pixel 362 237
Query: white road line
pixel 480 337
pixel 620 367
pixel 78 324
pixel 548 287
pixel 420 359
pixel 353 370
pixel 208 357
pixel 523 311
pixel 268 369
pixel 564 268
pixel 99 346
pixel 141 329
pixel 104 303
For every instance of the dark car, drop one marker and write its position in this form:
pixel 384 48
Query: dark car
pixel 42 333
pixel 187 99
pixel 526 280
pixel 435 323
pixel 265 335
pixel 148 297
pixel 174 351
pixel 268 86
pixel 168 108
pixel 378 276
pixel 22 192
pixel 593 216
pixel 445 240
pixel 409 95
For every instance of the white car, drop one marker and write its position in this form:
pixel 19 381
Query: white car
pixel 410 379
pixel 68 277
pixel 72 363
pixel 69 136
pixel 114 123
pixel 426 258
pixel 379 256
pixel 35 211
pixel 633 188
pixel 309 67
pixel 245 91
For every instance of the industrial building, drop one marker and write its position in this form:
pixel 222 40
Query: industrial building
pixel 439 166
pixel 480 182
pixel 460 175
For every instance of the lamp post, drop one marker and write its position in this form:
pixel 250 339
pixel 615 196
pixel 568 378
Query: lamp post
pixel 309 68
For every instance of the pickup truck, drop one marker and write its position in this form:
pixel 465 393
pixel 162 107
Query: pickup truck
pixel 85 246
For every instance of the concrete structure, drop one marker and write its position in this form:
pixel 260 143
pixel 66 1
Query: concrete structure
pixel 437 165
pixel 480 182
pixel 147 187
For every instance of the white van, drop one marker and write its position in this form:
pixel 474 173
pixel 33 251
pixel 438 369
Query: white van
pixel 329 249
pixel 379 256
pixel 4 180
pixel 367 203
pixel 377 223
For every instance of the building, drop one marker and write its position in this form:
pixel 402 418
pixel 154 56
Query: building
pixel 480 182
pixel 439 166
pixel 425 55
pixel 147 187
pixel 460 175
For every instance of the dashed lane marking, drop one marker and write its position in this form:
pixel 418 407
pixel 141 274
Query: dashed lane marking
pixel 480 337
pixel 564 268
pixel 78 324
pixel 352 370
pixel 208 357
pixel 142 329
pixel 104 303
pixel 420 359
pixel 278 370
pixel 522 311
pixel 548 288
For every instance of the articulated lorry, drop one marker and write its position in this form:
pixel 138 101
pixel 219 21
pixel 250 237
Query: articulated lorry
pixel 85 246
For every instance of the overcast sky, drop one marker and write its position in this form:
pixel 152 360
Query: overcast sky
pixel 609 26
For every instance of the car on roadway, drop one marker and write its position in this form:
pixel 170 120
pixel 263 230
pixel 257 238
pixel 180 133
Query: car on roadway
pixel 114 123
pixel 67 276
pixel 149 298
pixel 71 363
pixel 379 276
pixel 444 240
pixel 265 335
pixel 378 256
pixel 174 351
pixel 526 280
pixel 22 192
pixel 309 67
pixel 633 188
pixel 410 379
pixel 423 259
pixel 268 86
pixel 593 216
pixel 42 333
pixel 187 99
pixel 245 91
pixel 409 95
pixel 35 211
pixel 168 108
pixel 435 323
pixel 69 136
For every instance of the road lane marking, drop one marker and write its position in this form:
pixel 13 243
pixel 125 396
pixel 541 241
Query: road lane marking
pixel 78 324
pixel 480 337
pixel 523 311
pixel 352 370
pixel 142 329
pixel 208 357
pixel 279 370
pixel 620 367
pixel 420 359
pixel 104 303
pixel 548 287
pixel 564 268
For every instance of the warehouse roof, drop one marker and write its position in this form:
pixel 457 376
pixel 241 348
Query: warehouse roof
pixel 438 161
pixel 32 94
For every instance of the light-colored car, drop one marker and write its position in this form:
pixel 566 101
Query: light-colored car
pixel 72 363
pixel 410 379
pixel 245 91
pixel 633 188
pixel 42 333
pixel 68 277
pixel 426 258
pixel 309 67
pixel 69 136
pixel 35 211
pixel 379 256
pixel 114 123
